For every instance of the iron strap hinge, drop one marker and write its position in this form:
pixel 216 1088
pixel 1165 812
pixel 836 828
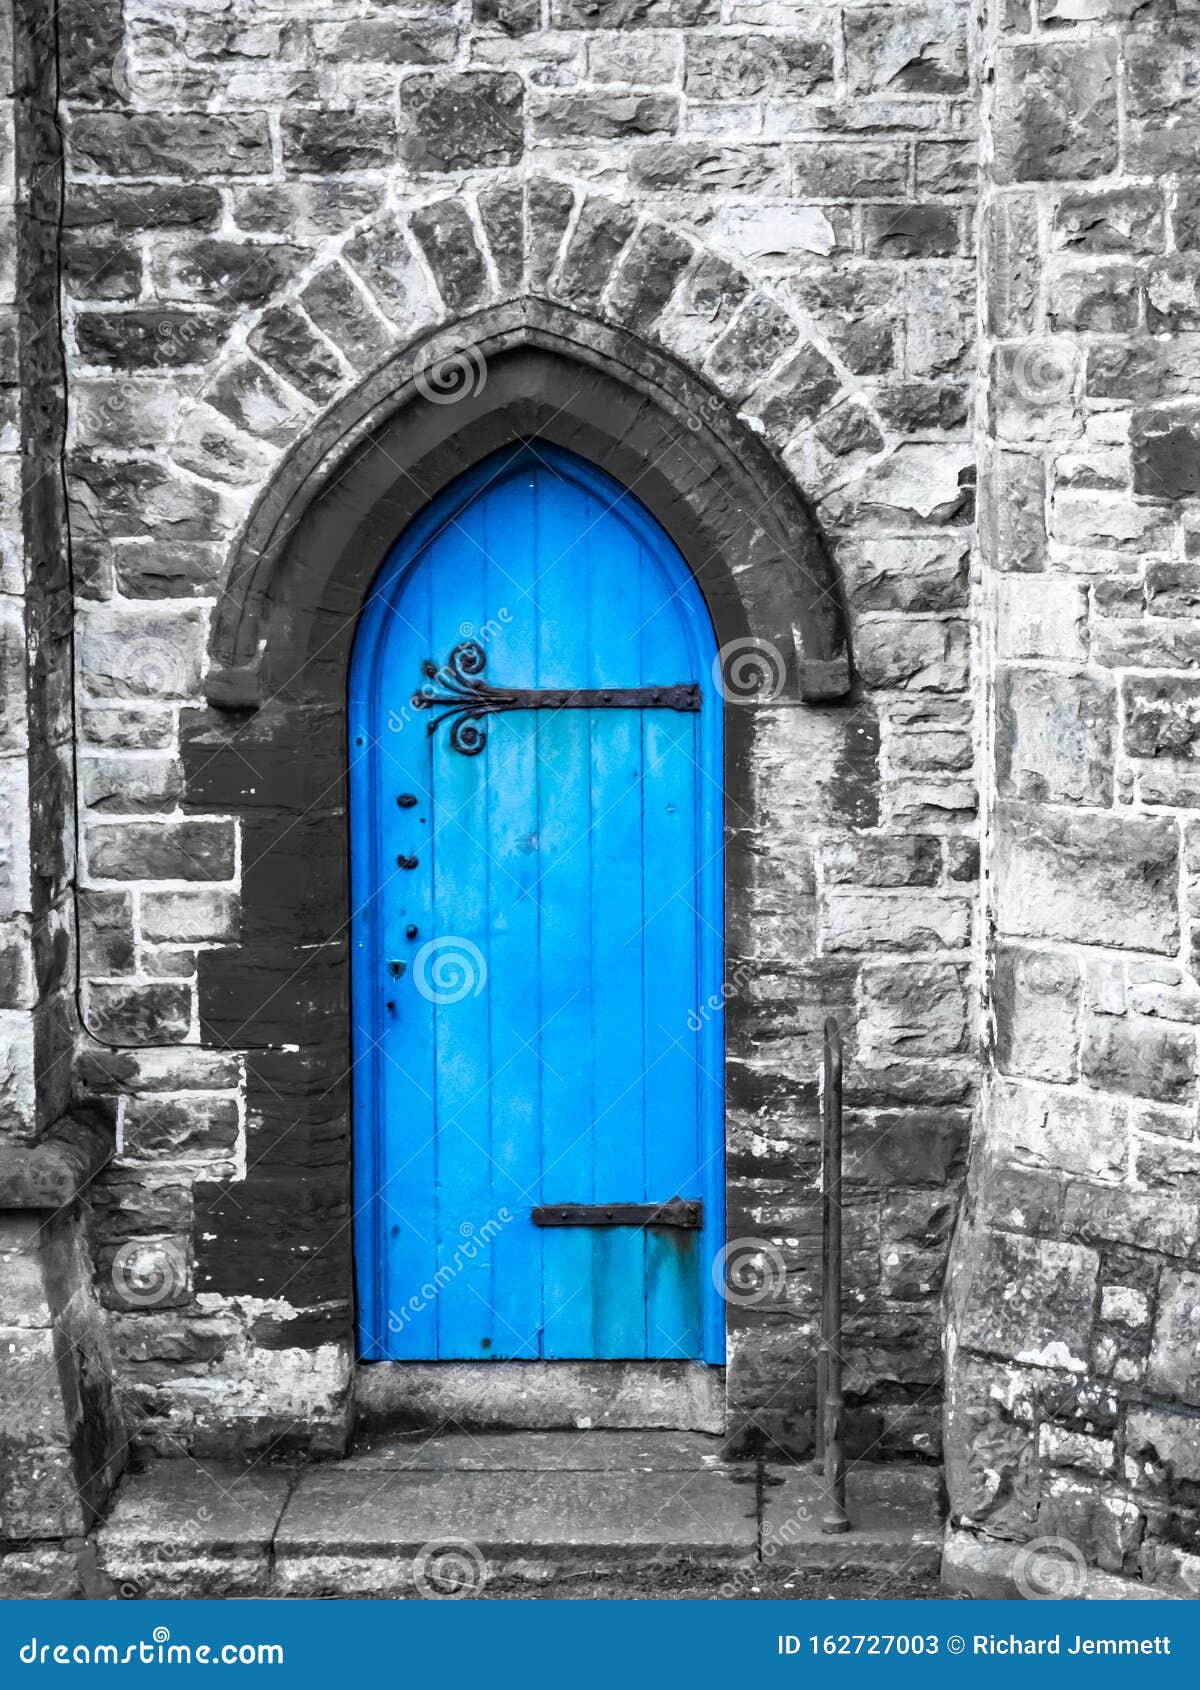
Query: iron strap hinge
pixel 687 1214
pixel 467 698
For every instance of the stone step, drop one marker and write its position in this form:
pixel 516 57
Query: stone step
pixel 408 1516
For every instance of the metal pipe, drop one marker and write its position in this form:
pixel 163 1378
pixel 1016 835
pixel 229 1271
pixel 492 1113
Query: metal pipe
pixel 829 1374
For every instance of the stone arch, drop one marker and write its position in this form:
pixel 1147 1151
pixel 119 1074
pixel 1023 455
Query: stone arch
pixel 340 348
pixel 269 750
pixel 528 368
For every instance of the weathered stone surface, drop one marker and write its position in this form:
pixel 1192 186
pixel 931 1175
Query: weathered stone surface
pixel 795 393
pixel 748 348
pixel 155 655
pixel 1049 1127
pixel 1054 735
pixel 917 1009
pixel 186 1528
pixel 653 264
pixel 285 339
pixel 893 921
pixel 447 236
pixel 340 309
pixel 732 67
pixel 1145 1057
pixel 328 1540
pixel 633 14
pixel 1037 1003
pixel 159 1131
pixel 1031 1299
pixel 1041 617
pixel 226 271
pixel 874 861
pixel 1111 220
pixel 1175 1355
pixel 1056 111
pixel 162 850
pixel 388 265
pixel 1068 876
pixel 138 1014
pixel 909 49
pixel 1162 717
pixel 593 250
pixel 1166 452
pixel 319 142
pixel 911 231
pixel 146 338
pixel 603 116
pixel 184 144
pixel 459 120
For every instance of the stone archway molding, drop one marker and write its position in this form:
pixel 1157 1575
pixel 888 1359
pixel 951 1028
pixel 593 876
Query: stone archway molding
pixel 461 390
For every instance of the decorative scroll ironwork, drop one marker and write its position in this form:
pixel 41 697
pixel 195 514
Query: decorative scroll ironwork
pixel 465 699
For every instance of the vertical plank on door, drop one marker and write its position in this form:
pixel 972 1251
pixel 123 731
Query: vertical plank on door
pixel 611 564
pixel 401 1038
pixel 673 987
pixel 510 764
pixel 459 862
pixel 564 963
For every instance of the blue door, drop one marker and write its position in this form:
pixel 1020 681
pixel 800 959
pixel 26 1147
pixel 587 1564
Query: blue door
pixel 536 827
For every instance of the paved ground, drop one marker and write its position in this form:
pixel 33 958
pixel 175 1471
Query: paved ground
pixel 539 1514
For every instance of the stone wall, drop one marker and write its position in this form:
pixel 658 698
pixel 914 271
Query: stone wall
pixel 266 203
pixel 61 1440
pixel 1075 1410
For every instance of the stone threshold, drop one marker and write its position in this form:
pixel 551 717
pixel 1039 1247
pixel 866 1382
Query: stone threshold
pixel 414 1516
pixel 539 1396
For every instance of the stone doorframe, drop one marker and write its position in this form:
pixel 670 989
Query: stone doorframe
pixel 270 749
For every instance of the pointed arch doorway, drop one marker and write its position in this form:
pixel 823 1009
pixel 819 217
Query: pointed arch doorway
pixel 536 874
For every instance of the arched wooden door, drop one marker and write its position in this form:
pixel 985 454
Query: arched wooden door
pixel 537 930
